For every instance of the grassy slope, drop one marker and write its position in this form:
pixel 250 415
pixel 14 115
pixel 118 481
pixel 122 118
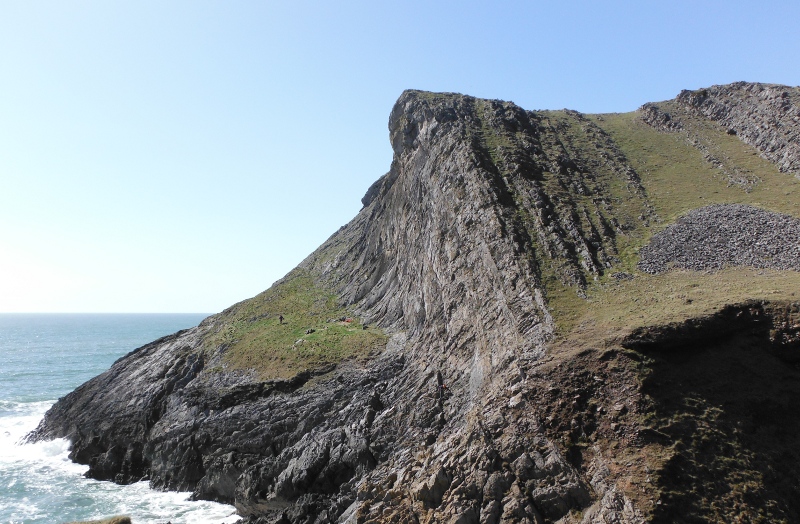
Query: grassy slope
pixel 565 305
pixel 678 179
pixel 254 338
pixel 721 451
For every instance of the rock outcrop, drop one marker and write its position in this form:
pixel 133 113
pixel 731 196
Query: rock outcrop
pixel 765 116
pixel 475 408
pixel 112 520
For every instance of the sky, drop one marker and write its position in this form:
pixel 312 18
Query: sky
pixel 181 156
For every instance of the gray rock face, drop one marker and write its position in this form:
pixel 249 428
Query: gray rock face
pixel 715 237
pixel 486 209
pixel 448 255
pixel 659 119
pixel 765 116
pixel 673 117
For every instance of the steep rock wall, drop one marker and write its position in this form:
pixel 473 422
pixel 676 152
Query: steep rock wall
pixel 465 416
pixel 482 202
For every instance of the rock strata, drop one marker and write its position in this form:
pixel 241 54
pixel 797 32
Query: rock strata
pixel 472 409
pixel 677 118
pixel 449 254
pixel 766 116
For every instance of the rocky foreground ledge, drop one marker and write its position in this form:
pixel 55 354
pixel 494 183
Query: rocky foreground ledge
pixel 111 520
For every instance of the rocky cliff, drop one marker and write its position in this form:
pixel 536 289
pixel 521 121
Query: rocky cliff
pixel 512 329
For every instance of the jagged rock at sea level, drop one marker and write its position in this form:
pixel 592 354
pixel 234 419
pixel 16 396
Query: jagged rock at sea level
pixel 111 520
pixel 436 359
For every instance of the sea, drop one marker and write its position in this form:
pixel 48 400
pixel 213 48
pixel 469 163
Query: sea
pixel 42 358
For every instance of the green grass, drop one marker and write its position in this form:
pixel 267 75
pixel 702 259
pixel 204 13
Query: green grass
pixel 676 179
pixel 580 141
pixel 496 141
pixel 705 424
pixel 254 339
pixel 617 307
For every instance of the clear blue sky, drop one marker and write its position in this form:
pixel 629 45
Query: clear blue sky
pixel 181 156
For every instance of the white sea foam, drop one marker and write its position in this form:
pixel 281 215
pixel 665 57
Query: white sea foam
pixel 39 484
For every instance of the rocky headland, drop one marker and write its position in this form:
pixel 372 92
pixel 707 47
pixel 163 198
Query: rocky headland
pixel 537 316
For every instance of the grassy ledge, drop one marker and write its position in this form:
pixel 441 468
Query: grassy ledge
pixel 615 308
pixel 678 179
pixel 253 338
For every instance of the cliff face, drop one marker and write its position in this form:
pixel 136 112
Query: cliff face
pixel 477 344
pixel 763 115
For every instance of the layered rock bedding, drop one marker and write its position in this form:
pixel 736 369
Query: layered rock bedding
pixel 431 361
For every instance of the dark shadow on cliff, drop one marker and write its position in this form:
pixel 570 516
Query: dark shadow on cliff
pixel 727 413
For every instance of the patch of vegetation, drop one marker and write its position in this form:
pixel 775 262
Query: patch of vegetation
pixel 704 431
pixel 712 442
pixel 312 334
pixel 433 96
pixel 496 142
pixel 725 417
pixel 602 159
pixel 616 307
pixel 677 177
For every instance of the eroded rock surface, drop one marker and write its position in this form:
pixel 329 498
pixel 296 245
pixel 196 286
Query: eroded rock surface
pixel 448 255
pixel 465 416
pixel 765 116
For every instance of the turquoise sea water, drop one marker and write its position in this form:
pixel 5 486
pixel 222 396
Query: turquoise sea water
pixel 44 357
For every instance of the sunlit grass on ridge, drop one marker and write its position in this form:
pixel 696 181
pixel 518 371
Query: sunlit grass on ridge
pixel 253 337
